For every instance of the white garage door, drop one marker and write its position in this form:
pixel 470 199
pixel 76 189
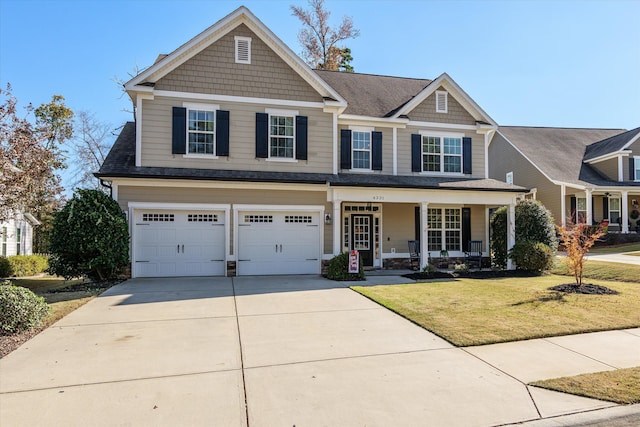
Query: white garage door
pixel 278 243
pixel 179 243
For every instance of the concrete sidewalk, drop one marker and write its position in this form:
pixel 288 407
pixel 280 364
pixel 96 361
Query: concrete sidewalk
pixel 298 350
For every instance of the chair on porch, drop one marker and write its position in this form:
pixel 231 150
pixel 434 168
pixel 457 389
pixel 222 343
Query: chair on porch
pixel 473 254
pixel 414 254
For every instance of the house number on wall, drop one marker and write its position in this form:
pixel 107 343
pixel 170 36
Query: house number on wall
pixel 378 197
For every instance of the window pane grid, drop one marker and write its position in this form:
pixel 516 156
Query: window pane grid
pixel 445 229
pixel 361 150
pixel 201 130
pixel 281 136
pixel 441 154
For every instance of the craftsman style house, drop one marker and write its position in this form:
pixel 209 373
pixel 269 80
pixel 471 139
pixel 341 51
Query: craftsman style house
pixel 243 160
pixel 585 175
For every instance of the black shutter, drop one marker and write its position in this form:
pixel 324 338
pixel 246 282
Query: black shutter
pixel 632 169
pixel 345 149
pixel 466 156
pixel 466 228
pixel 262 135
pixel 573 212
pixel 179 131
pixel 416 153
pixel 376 151
pixel 222 133
pixel 418 218
pixel 301 137
pixel 605 208
pixel 593 209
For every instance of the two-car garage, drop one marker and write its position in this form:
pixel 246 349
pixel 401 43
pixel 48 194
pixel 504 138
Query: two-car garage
pixel 196 240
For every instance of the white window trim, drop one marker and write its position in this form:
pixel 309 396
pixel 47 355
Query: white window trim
pixel 441 135
pixel 581 210
pixel 619 210
pixel 282 113
pixel 364 129
pixel 443 230
pixel 238 39
pixel 636 164
pixel 509 178
pixel 201 107
pixel 446 101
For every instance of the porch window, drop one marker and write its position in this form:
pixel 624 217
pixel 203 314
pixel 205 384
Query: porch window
pixel 614 211
pixel 581 210
pixel 445 229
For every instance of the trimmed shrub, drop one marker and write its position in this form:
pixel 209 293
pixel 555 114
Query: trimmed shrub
pixel 20 309
pixel 339 268
pixel 534 223
pixel 5 267
pixel 531 256
pixel 28 265
pixel 90 237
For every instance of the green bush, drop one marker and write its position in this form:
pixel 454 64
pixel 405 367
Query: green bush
pixel 532 256
pixel 339 268
pixel 534 223
pixel 28 265
pixel 5 267
pixel 90 237
pixel 20 309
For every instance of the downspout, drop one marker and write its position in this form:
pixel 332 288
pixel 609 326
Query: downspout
pixel 107 185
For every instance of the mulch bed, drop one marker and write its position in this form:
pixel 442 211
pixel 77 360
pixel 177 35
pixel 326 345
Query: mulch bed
pixel 585 289
pixel 480 274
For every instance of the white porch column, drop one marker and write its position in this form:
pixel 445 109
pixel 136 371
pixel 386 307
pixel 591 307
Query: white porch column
pixel 563 204
pixel 625 211
pixel 511 233
pixel 337 227
pixel 589 196
pixel 424 247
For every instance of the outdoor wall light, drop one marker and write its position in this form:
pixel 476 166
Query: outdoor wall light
pixel 327 219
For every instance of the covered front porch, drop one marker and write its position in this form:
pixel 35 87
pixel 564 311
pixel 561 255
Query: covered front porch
pixel 379 223
pixel 617 208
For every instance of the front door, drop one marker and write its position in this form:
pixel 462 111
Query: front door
pixel 362 237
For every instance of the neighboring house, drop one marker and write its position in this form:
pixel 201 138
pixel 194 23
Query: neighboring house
pixel 589 175
pixel 243 160
pixel 16 235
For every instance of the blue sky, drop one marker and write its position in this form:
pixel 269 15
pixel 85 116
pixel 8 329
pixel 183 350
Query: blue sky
pixel 538 63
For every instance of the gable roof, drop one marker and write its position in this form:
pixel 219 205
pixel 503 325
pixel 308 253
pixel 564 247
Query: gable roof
pixel 167 63
pixel 612 144
pixel 373 95
pixel 120 163
pixel 558 152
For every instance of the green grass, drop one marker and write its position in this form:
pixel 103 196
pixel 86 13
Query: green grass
pixel 43 284
pixel 633 253
pixel 616 249
pixel 474 312
pixel 619 386
pixel 599 270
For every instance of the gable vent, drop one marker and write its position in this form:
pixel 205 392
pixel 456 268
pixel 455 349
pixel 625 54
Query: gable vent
pixel 441 101
pixel 243 50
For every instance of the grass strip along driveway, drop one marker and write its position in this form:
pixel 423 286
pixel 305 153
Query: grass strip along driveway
pixel 469 312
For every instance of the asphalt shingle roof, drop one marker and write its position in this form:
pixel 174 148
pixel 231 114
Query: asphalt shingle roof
pixel 120 162
pixel 372 95
pixel 559 152
pixel 610 145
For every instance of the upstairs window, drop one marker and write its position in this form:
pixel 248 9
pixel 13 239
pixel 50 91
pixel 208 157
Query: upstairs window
pixel 361 145
pixel 636 174
pixel 281 136
pixel 509 178
pixel 201 132
pixel 442 101
pixel 243 50
pixel 441 154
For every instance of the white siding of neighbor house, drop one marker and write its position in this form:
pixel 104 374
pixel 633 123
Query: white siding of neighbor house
pixel 26 245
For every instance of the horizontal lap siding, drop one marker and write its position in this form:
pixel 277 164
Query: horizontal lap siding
pixel 387 150
pixel 168 195
pixel 503 158
pixel 404 149
pixel 214 71
pixel 156 139
pixel 398 226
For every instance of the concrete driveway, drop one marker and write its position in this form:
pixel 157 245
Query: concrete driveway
pixel 298 350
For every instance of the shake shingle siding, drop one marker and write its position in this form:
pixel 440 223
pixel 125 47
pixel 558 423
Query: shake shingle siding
pixel 456 114
pixel 214 71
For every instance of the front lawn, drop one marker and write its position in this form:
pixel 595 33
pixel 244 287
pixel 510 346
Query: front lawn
pixel 616 249
pixel 484 311
pixel 619 386
pixel 601 270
